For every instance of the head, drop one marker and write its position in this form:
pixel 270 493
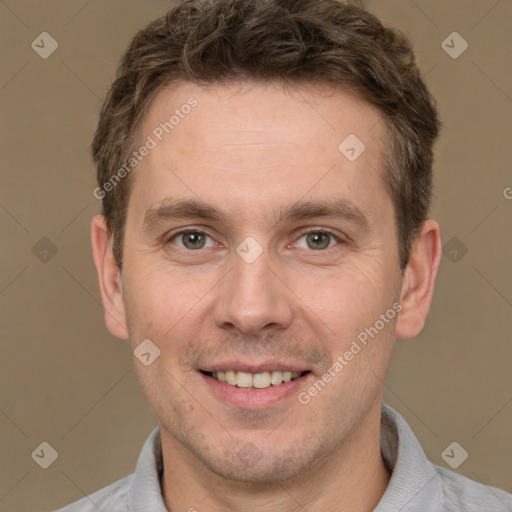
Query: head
pixel 290 144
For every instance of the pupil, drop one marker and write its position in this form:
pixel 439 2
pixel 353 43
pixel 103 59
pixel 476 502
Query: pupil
pixel 317 241
pixel 194 239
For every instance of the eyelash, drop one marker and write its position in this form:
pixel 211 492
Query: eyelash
pixel 308 231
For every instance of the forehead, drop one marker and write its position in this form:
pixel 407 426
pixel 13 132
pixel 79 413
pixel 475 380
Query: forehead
pixel 254 112
pixel 250 144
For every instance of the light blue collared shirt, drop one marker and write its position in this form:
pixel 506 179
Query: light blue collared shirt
pixel 416 484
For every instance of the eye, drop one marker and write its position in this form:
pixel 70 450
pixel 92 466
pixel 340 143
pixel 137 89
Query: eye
pixel 319 239
pixel 191 239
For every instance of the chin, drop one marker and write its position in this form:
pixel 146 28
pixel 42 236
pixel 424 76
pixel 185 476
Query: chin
pixel 264 466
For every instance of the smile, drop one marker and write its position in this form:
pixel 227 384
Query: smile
pixel 260 380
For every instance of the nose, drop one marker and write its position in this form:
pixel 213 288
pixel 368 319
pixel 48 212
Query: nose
pixel 253 297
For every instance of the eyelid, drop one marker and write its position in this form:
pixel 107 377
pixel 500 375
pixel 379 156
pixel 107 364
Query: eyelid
pixel 317 229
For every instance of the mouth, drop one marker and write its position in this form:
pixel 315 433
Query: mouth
pixel 247 385
pixel 259 380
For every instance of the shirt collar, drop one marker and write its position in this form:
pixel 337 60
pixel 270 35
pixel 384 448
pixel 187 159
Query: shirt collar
pixel 145 490
pixel 414 481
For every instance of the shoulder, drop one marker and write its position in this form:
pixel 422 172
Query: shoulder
pixel 113 497
pixel 419 484
pixel 459 491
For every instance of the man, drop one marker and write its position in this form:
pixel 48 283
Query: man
pixel 265 169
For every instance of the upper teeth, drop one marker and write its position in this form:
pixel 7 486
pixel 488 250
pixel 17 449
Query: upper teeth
pixel 255 380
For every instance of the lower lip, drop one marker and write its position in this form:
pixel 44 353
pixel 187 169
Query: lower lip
pixel 253 398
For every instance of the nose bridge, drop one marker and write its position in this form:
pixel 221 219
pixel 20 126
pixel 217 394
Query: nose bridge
pixel 252 296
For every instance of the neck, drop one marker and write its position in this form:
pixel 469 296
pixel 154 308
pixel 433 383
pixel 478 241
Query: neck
pixel 353 478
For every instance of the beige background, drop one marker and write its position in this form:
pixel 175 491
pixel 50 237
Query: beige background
pixel 67 381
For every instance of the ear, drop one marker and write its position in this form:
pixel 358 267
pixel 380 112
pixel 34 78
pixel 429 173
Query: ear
pixel 109 277
pixel 419 279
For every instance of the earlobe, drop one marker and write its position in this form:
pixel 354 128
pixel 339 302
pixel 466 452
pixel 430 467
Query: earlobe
pixel 109 277
pixel 419 280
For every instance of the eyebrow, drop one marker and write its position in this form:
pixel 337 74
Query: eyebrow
pixel 176 209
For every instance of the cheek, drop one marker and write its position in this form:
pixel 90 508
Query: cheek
pixel 346 299
pixel 160 298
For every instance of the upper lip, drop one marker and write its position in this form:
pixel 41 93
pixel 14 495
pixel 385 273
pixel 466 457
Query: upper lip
pixel 267 366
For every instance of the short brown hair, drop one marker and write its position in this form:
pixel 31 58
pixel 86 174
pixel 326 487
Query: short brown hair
pixel 303 41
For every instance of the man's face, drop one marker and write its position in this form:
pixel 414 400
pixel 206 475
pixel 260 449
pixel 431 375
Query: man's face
pixel 252 291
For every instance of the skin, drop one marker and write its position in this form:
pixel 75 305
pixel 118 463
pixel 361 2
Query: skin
pixel 250 150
